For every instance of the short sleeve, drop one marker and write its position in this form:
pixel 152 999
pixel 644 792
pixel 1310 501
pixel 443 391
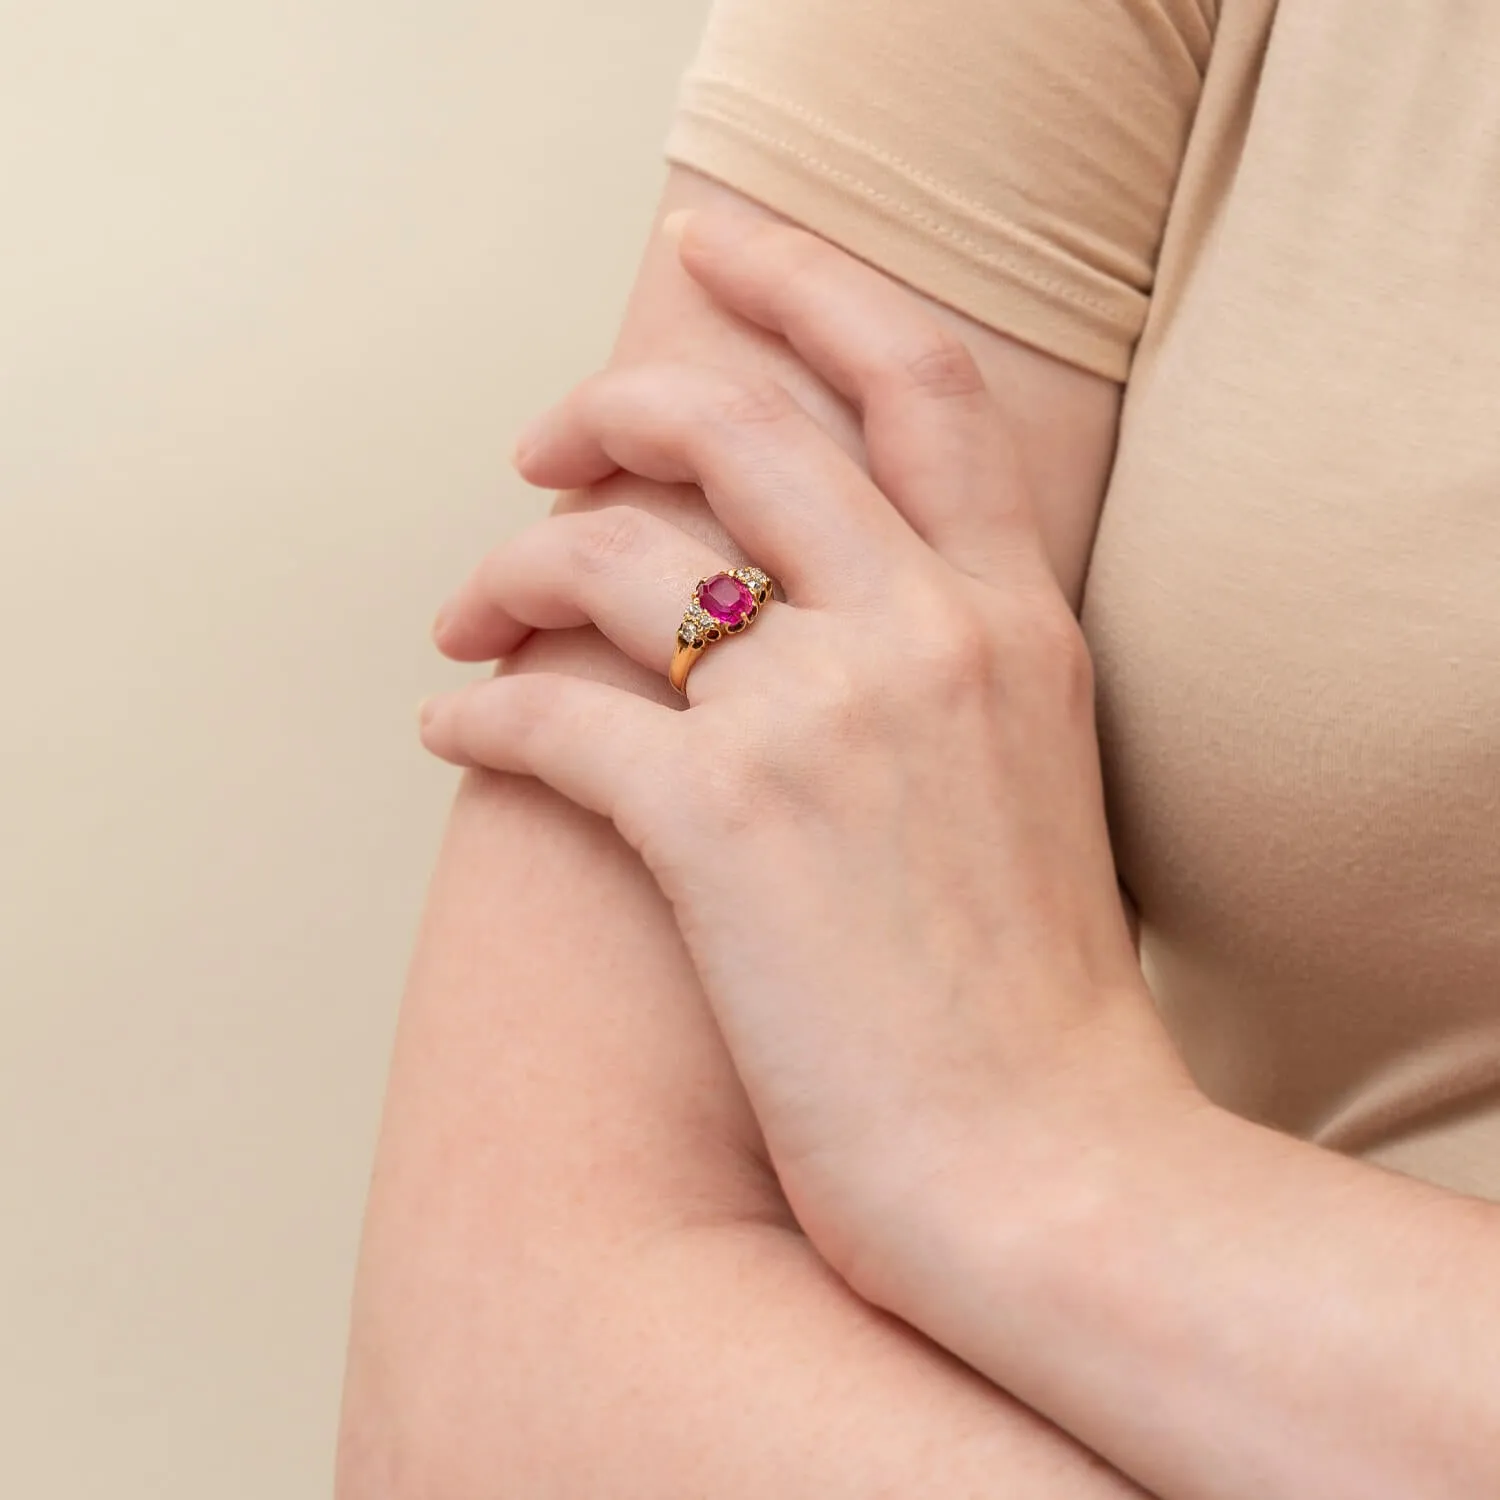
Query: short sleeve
pixel 1014 159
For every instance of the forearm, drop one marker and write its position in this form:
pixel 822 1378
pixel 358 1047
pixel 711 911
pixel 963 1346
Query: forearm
pixel 1230 1314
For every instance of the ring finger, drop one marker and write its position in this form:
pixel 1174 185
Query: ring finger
pixel 627 571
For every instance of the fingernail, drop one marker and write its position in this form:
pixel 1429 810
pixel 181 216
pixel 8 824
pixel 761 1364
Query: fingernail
pixel 440 620
pixel 674 226
pixel 426 712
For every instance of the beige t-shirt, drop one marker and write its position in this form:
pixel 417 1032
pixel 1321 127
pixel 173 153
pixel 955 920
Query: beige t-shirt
pixel 1282 224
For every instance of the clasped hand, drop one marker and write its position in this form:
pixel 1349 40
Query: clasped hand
pixel 879 819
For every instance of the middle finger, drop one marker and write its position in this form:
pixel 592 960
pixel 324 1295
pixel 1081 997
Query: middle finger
pixel 799 505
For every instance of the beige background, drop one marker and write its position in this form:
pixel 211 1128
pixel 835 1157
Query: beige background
pixel 278 282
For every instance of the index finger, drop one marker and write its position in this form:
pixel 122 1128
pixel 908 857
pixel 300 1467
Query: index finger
pixel 938 443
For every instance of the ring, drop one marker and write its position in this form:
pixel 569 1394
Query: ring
pixel 722 605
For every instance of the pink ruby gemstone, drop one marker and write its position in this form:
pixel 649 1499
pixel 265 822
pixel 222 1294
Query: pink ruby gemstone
pixel 725 598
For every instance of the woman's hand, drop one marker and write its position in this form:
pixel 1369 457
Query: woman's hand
pixel 880 822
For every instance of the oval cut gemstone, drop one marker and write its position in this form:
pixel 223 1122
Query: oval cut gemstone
pixel 726 598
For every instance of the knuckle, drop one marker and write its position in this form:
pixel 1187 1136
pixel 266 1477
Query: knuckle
pixel 1023 644
pixel 1047 644
pixel 965 659
pixel 951 644
pixel 942 366
pixel 750 402
pixel 829 697
pixel 1072 667
pixel 608 534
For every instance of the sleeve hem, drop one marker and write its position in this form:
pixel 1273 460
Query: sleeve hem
pixel 908 226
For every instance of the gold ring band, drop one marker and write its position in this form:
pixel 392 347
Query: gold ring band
pixel 723 604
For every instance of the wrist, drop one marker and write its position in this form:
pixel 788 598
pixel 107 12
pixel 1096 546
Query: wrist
pixel 1031 1189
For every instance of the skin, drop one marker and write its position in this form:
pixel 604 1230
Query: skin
pixel 917 958
pixel 578 1274
pixel 922 837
